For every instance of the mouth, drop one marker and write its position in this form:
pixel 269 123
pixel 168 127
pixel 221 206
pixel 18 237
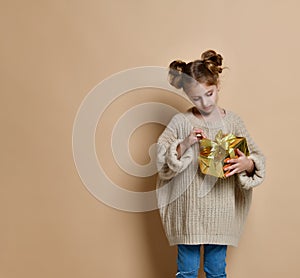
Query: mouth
pixel 206 108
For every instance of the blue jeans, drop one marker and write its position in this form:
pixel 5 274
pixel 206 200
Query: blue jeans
pixel 188 261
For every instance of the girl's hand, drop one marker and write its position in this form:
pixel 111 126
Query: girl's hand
pixel 192 138
pixel 189 141
pixel 239 164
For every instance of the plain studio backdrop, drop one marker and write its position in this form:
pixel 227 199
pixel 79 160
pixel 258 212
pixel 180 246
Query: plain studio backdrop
pixel 53 53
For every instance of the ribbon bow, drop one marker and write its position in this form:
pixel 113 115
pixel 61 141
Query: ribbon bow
pixel 220 147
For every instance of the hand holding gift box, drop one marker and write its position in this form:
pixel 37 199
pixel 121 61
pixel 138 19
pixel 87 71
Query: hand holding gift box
pixel 213 153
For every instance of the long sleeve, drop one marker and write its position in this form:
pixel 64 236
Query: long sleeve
pixel 246 181
pixel 197 208
pixel 167 162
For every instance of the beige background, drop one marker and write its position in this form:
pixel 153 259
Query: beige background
pixel 54 52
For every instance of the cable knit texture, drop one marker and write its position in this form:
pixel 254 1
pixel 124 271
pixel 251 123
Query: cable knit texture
pixel 219 215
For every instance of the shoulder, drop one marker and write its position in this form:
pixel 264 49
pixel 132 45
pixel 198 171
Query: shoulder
pixel 180 117
pixel 178 121
pixel 237 123
pixel 234 117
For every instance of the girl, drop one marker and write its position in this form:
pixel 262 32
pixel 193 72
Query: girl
pixel 198 209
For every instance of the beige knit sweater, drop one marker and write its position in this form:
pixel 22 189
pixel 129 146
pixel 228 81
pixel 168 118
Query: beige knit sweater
pixel 197 208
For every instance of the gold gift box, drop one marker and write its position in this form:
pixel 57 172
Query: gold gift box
pixel 213 153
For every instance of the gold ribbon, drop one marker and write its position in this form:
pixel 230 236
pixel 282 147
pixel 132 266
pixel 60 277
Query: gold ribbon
pixel 220 146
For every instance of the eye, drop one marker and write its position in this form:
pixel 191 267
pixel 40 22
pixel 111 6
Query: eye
pixel 209 93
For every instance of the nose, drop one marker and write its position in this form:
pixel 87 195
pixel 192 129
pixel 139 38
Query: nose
pixel 204 102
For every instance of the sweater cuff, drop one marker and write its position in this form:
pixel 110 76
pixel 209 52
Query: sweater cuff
pixel 248 182
pixel 175 164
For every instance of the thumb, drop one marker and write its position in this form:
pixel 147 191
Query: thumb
pixel 239 152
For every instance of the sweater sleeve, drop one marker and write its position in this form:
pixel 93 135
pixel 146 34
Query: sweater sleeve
pixel 168 164
pixel 246 181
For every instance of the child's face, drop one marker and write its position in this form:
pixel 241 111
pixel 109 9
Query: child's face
pixel 204 97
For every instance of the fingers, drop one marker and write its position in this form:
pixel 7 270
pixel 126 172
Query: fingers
pixel 239 152
pixel 230 173
pixel 239 155
pixel 192 137
pixel 198 133
pixel 230 170
pixel 231 160
pixel 235 165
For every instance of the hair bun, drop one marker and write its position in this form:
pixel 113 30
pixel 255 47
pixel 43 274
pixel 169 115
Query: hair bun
pixel 213 60
pixel 176 68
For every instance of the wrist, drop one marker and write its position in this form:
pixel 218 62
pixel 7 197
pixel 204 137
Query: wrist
pixel 185 144
pixel 250 168
pixel 181 148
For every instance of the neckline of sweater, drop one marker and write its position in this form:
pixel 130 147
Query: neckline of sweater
pixel 204 123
